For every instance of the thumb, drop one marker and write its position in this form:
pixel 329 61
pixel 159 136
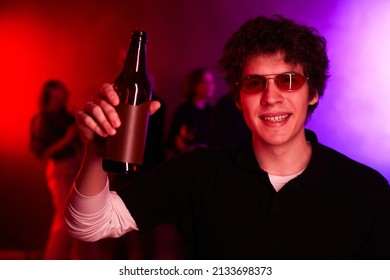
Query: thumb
pixel 154 106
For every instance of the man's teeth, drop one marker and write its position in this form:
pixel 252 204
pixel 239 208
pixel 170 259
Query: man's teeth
pixel 276 118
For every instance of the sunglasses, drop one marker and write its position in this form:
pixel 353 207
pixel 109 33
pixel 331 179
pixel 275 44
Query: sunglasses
pixel 289 81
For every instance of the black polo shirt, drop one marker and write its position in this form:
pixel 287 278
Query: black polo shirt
pixel 226 208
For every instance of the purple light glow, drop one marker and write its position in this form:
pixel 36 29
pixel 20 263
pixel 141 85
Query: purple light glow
pixel 353 117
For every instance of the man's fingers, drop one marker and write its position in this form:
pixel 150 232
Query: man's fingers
pixel 87 125
pixel 109 93
pixel 154 106
pixel 99 117
pixel 109 112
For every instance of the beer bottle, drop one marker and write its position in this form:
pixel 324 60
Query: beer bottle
pixel 124 151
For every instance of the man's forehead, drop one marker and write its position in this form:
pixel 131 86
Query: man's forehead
pixel 270 62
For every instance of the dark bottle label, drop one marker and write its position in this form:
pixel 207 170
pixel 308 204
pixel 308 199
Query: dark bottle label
pixel 128 145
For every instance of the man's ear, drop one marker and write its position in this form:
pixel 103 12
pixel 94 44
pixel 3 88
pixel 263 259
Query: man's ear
pixel 314 100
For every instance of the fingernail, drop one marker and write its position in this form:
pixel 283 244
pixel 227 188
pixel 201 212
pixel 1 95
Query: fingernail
pixel 114 100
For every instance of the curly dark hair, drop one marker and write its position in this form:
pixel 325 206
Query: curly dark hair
pixel 300 44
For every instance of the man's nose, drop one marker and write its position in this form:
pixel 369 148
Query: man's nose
pixel 271 95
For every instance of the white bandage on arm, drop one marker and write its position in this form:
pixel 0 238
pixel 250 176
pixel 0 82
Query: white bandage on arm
pixel 90 218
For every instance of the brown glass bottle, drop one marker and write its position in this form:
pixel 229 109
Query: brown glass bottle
pixel 124 152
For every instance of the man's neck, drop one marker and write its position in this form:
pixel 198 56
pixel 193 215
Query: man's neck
pixel 286 159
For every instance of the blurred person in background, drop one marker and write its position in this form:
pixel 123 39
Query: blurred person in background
pixel 54 137
pixel 191 121
pixel 228 127
pixel 155 146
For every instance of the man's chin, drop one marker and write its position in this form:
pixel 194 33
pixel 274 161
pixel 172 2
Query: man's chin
pixel 271 140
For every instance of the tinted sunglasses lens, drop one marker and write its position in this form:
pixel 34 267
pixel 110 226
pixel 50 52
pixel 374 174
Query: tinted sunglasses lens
pixel 254 84
pixel 290 82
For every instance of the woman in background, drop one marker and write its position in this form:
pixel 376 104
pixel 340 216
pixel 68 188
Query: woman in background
pixel 55 138
pixel 191 122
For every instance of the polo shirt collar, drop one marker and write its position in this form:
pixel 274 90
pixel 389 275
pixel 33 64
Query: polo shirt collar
pixel 246 158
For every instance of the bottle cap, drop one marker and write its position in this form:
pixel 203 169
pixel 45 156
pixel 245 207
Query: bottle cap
pixel 139 34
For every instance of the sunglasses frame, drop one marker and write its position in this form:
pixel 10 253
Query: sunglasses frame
pixel 239 84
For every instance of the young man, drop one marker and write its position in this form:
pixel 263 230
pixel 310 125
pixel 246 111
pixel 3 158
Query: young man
pixel 280 195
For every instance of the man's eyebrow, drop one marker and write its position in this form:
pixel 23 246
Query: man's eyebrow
pixel 286 72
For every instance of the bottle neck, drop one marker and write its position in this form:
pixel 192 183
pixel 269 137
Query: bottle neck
pixel 132 85
pixel 135 63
